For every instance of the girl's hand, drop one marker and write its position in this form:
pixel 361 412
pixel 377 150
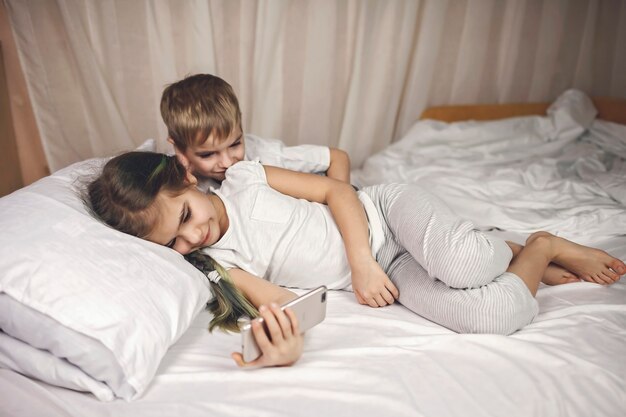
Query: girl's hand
pixel 372 286
pixel 284 344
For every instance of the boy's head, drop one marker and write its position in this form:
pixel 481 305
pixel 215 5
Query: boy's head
pixel 203 122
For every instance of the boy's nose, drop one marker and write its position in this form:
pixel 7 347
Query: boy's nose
pixel 225 160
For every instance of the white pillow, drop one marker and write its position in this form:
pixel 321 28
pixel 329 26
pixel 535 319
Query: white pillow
pixel 108 303
pixel 40 364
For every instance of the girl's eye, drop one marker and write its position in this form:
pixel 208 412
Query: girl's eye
pixel 171 244
pixel 187 215
pixel 234 145
pixel 207 155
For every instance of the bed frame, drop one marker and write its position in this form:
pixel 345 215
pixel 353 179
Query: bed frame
pixel 610 109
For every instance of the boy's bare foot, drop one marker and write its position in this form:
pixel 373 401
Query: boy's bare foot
pixel 557 275
pixel 589 264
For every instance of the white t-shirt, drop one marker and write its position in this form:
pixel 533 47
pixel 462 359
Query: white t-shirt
pixel 313 159
pixel 288 241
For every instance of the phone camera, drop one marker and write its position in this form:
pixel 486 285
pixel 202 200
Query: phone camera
pixel 323 297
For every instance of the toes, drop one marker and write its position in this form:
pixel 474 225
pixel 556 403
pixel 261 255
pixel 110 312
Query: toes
pixel 611 275
pixel 569 277
pixel 604 276
pixel 593 278
pixel 618 266
pixel 600 278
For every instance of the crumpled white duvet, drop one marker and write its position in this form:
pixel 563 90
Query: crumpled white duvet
pixel 564 173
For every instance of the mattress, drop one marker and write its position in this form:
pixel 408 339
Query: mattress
pixel 388 361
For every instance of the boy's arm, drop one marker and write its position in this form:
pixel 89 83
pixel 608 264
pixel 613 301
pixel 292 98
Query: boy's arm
pixel 282 344
pixel 339 165
pixel 334 162
pixel 370 283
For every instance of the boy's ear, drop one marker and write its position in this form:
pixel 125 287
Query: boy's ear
pixel 179 155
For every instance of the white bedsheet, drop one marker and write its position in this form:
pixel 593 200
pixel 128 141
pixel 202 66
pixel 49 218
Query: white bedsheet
pixel 381 362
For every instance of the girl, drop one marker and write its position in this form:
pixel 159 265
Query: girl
pixel 272 228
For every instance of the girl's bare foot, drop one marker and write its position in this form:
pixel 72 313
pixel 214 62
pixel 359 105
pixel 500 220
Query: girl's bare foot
pixel 557 275
pixel 587 263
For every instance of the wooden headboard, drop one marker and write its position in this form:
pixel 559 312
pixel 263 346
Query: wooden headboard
pixel 10 173
pixel 611 109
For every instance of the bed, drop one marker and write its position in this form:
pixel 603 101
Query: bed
pixel 563 171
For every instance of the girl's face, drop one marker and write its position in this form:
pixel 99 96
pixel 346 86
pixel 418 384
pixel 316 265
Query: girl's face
pixel 189 221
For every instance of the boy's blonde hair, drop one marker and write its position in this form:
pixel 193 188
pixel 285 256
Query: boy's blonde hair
pixel 198 106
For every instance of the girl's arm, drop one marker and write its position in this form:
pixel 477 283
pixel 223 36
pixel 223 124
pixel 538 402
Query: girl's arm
pixel 370 283
pixel 283 345
pixel 259 291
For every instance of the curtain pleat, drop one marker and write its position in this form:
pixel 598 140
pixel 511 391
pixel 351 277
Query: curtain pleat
pixel 353 74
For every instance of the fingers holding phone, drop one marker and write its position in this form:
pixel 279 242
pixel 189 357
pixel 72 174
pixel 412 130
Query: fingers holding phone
pixel 280 341
pixel 277 336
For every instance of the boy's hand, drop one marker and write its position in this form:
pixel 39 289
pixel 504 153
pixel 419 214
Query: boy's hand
pixel 284 344
pixel 372 286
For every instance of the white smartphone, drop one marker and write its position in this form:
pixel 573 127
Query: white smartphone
pixel 309 308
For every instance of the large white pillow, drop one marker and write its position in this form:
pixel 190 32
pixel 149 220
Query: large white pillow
pixel 93 303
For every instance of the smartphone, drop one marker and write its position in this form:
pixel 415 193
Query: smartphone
pixel 309 308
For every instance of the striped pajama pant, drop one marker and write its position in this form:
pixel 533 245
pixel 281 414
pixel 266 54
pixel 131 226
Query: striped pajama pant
pixel 444 268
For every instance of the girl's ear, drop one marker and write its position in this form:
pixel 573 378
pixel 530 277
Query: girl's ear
pixel 190 178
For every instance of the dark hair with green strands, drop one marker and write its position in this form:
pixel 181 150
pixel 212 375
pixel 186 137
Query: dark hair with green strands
pixel 123 197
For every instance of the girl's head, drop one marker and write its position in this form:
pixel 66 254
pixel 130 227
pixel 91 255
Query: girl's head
pixel 125 195
pixel 151 196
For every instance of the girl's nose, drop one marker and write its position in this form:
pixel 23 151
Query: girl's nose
pixel 193 236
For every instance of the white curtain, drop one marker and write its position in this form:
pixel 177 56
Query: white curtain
pixel 351 74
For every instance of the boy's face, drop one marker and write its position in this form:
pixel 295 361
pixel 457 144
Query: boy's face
pixel 214 156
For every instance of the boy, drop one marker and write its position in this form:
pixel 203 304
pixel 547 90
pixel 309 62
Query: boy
pixel 203 121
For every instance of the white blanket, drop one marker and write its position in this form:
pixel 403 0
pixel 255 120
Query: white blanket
pixel 563 173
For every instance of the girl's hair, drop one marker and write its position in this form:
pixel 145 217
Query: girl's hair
pixel 124 197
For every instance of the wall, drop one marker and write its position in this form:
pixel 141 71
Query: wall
pixel 22 160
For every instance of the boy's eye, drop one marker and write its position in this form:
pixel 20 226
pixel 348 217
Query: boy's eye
pixel 171 244
pixel 206 155
pixel 235 144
